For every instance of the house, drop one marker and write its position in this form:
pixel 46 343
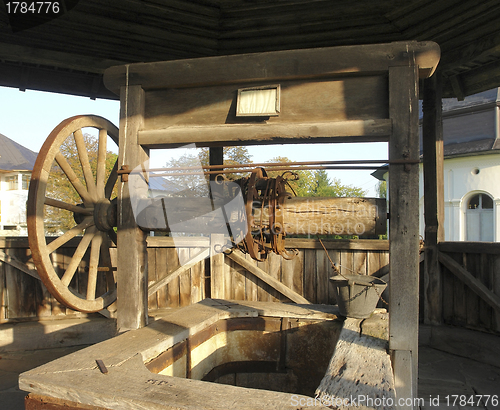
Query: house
pixel 471 139
pixel 16 164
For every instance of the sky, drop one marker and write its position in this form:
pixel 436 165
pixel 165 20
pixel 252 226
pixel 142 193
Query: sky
pixel 28 118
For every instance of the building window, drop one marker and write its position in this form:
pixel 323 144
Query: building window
pixel 479 218
pixel 26 181
pixel 12 182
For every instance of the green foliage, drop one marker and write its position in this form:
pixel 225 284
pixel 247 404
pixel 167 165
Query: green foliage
pixel 197 184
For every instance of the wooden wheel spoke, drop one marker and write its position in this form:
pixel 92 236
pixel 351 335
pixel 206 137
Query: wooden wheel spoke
pixel 78 256
pixel 95 251
pixel 68 235
pixel 112 235
pixel 110 183
pixel 69 207
pixel 84 161
pixel 73 178
pixel 66 174
pixel 101 162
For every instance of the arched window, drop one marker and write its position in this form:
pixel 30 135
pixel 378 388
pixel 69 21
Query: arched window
pixel 479 218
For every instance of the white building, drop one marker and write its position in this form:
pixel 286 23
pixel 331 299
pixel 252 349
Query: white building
pixel 471 134
pixel 16 164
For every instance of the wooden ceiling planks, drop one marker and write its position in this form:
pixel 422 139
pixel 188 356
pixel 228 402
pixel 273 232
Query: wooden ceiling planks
pixel 96 34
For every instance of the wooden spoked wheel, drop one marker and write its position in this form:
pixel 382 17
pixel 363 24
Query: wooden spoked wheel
pixel 72 212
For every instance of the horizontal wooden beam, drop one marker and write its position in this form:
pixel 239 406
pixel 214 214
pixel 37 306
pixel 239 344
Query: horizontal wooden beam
pixel 262 275
pixel 470 247
pixel 247 134
pixel 475 285
pixel 279 65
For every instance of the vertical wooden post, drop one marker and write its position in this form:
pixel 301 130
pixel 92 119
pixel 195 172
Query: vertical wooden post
pixel 132 281
pixel 403 228
pixel 432 128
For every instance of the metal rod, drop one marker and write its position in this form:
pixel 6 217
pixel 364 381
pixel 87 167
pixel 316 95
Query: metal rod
pixel 233 171
pixel 280 164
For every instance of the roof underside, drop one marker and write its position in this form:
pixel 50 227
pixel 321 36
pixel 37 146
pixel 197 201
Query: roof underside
pixel 69 54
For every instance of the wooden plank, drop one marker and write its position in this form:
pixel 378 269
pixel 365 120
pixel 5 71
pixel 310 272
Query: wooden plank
pixel 284 65
pixel 238 279
pixel 485 275
pixel 274 270
pixel 172 288
pixel 152 279
pixel 162 256
pixel 252 134
pixel 404 225
pixel 218 289
pixel 309 272
pixel 496 290
pixel 197 277
pixel 132 269
pixel 471 299
pixel 185 277
pixel 322 280
pixel 448 295
pixel 201 255
pixel 475 285
pixel 259 273
pixel 470 247
pixel 251 281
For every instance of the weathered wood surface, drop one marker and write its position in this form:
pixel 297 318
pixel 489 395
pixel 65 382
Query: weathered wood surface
pixel 470 305
pixel 289 64
pixel 132 269
pixel 403 228
pixel 25 298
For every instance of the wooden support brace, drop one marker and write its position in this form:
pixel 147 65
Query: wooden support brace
pixel 176 273
pixel 12 261
pixel 475 285
pixel 259 273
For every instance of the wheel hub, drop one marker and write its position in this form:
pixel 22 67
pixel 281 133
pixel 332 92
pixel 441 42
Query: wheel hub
pixel 105 214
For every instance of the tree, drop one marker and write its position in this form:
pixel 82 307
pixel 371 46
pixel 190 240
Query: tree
pixel 300 186
pixel 197 184
pixel 59 187
pixel 382 189
pixel 325 187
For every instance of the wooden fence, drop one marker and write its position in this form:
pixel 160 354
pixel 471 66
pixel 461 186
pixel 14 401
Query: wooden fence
pixel 24 297
pixel 470 284
pixel 470 277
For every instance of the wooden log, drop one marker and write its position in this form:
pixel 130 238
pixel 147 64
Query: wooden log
pixel 302 216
